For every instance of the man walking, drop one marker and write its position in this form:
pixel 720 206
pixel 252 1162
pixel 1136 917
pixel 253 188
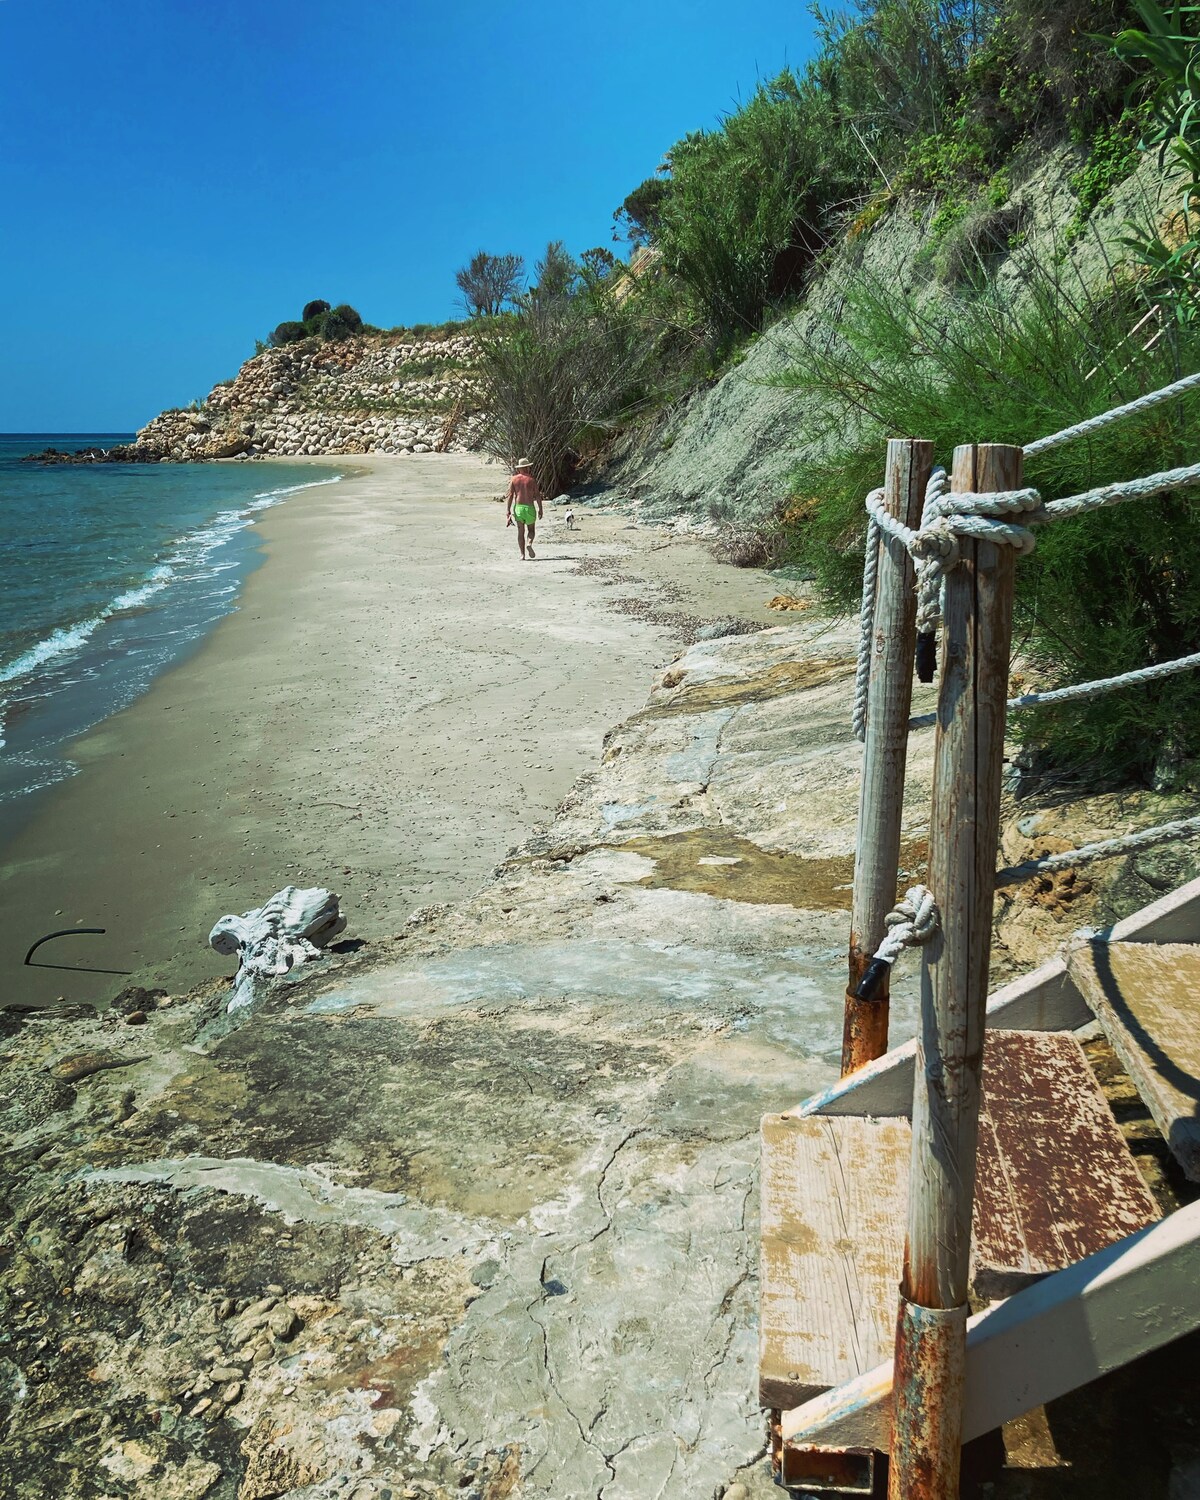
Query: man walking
pixel 524 506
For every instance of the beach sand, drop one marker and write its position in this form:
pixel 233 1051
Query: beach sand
pixel 396 702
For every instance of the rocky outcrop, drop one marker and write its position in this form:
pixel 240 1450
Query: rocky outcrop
pixel 476 1216
pixel 375 393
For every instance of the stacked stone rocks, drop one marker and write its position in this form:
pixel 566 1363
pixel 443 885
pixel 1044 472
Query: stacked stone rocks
pixel 375 393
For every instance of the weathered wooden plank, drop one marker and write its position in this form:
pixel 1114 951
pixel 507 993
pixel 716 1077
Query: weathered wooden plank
pixel 1147 998
pixel 1046 999
pixel 833 1206
pixel 1051 1338
pixel 885 752
pixel 1055 1181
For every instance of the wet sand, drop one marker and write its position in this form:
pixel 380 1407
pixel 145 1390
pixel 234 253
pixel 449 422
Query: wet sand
pixel 396 702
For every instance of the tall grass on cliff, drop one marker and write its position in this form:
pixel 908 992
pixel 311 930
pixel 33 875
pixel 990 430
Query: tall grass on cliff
pixel 1103 593
pixel 573 363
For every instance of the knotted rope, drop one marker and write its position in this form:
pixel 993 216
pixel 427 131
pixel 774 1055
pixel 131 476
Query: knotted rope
pixel 913 922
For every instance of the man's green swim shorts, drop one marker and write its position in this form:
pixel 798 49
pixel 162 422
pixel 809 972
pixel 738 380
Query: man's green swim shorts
pixel 526 514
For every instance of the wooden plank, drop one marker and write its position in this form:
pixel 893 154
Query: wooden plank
pixel 1055 1181
pixel 833 1205
pixel 1053 1337
pixel 1147 998
pixel 885 751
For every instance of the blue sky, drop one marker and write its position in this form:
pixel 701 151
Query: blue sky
pixel 178 176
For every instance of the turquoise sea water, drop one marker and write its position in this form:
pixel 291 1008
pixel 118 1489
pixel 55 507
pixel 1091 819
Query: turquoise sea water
pixel 109 574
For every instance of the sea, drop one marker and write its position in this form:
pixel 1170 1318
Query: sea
pixel 110 574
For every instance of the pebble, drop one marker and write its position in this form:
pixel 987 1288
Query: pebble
pixel 232 1392
pixel 200 1408
pixel 223 1373
pixel 737 1492
pixel 226 1308
pixel 283 1321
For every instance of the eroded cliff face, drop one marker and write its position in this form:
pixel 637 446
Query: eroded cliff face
pixel 375 393
pixel 726 452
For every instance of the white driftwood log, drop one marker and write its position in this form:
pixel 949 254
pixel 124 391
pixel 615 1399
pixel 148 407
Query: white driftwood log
pixel 290 928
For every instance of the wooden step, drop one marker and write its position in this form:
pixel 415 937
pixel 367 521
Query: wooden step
pixel 1146 996
pixel 1054 1179
pixel 1055 1182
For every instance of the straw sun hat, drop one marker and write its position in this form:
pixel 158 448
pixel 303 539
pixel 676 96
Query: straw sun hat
pixel 524 463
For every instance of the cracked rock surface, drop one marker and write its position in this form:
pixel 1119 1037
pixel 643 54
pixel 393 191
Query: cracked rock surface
pixel 478 1216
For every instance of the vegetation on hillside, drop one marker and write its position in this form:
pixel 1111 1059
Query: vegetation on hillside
pixel 319 320
pixel 938 109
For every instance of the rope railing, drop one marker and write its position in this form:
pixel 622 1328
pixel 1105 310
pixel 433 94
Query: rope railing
pixel 1127 843
pixel 1083 690
pixel 1117 414
pixel 1005 518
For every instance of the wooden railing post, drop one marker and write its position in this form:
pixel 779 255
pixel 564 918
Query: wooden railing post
pixel 881 797
pixel 964 831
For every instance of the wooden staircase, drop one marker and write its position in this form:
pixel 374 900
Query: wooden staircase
pixel 1074 1271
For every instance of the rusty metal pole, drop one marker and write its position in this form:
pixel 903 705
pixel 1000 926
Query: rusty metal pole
pixel 885 752
pixel 964 831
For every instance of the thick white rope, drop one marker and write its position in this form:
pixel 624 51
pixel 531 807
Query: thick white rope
pixel 866 620
pixel 1079 690
pixel 1094 424
pixel 992 517
pixel 1115 494
pixel 1128 843
pixel 914 921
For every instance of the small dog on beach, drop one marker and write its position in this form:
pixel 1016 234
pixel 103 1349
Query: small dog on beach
pixel 569 518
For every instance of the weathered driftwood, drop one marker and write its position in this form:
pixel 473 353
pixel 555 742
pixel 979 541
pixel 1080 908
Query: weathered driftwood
pixel 290 928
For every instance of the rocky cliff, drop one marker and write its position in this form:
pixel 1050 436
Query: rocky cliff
pixel 374 393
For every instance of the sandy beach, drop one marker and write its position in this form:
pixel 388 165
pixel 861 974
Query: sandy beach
pixel 397 701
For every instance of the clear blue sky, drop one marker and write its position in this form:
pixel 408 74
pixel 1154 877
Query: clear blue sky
pixel 178 176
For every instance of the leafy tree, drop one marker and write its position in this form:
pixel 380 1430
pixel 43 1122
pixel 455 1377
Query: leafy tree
pixel 637 218
pixel 597 263
pixel 557 274
pixel 314 310
pixel 489 281
pixel 333 327
pixel 748 205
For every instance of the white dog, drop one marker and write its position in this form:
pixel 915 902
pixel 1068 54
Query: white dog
pixel 569 518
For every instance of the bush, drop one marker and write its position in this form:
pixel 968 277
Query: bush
pixel 747 206
pixel 288 333
pixel 558 377
pixel 1104 592
pixel 348 316
pixel 314 310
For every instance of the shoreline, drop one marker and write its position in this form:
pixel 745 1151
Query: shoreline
pixel 387 710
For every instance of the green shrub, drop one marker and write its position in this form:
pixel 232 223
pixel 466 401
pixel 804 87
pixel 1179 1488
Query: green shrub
pixel 348 316
pixel 1103 592
pixel 314 310
pixel 747 206
pixel 288 333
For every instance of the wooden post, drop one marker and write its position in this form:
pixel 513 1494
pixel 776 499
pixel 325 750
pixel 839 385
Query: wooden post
pixel 881 797
pixel 964 832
